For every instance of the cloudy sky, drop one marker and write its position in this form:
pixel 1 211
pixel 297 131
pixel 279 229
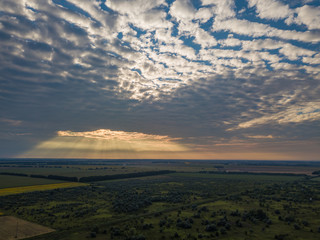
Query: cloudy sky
pixel 196 79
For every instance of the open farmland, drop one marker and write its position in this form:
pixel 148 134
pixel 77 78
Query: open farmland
pixel 96 170
pixel 242 177
pixel 17 190
pixel 8 181
pixel 271 169
pixel 205 202
pixel 15 228
pixel 70 171
pixel 83 168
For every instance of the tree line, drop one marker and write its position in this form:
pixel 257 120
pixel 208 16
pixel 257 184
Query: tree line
pixel 122 176
pixel 92 178
pixel 253 173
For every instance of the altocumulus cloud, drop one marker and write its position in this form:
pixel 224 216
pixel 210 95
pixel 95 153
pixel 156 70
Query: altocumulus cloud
pixel 108 134
pixel 192 70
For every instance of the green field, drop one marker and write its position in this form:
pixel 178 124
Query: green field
pixel 7 181
pixel 182 205
pixel 81 168
pixel 242 177
pixel 72 171
pixel 107 207
pixel 93 170
pixel 316 179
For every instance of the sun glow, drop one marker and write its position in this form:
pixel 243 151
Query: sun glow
pixel 109 144
pixel 105 143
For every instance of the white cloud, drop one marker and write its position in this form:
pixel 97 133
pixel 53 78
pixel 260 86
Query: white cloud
pixel 108 134
pixel 133 7
pixel 309 16
pixel 178 48
pixel 255 29
pixel 142 14
pixel 157 53
pixel 204 14
pixel 312 60
pixel 293 52
pixel 222 9
pixel 230 42
pixel 203 38
pixel 182 10
pixel 155 19
pixel 260 136
pixel 290 51
pixel 271 9
pixel 259 44
pixel 294 114
pixel 275 10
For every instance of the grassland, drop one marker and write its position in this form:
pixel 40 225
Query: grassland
pixel 44 187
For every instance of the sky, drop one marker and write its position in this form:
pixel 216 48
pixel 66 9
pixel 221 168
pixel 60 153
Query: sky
pixel 160 79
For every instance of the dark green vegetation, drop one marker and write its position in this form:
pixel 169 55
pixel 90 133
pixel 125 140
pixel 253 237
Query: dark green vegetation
pixel 90 178
pixel 123 176
pixel 182 205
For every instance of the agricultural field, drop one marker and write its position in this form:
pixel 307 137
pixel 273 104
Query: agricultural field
pixel 82 168
pixel 43 187
pixel 15 228
pixel 71 171
pixel 9 181
pixel 91 170
pixel 316 179
pixel 202 203
pixel 271 169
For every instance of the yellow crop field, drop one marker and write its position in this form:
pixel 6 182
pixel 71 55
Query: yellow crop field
pixel 16 190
